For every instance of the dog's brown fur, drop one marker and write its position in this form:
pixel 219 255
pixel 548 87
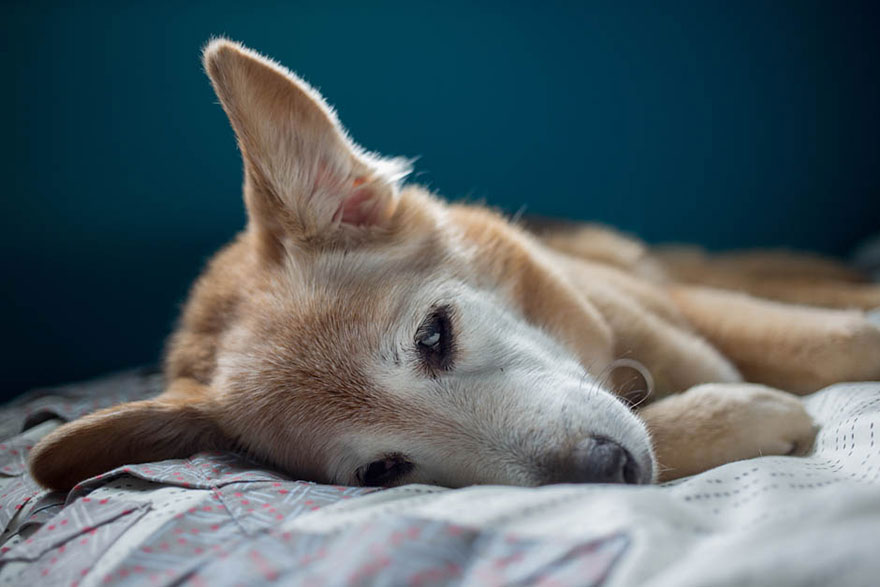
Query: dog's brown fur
pixel 697 323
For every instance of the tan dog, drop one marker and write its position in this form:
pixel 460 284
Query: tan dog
pixel 361 332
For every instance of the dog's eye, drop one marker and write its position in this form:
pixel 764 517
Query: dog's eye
pixel 434 340
pixel 384 472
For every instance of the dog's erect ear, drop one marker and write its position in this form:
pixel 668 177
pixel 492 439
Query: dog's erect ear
pixel 136 432
pixel 304 177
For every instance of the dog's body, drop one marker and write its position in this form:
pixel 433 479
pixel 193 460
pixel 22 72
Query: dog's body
pixel 359 332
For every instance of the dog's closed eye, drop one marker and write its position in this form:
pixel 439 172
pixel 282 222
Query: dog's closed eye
pixel 434 340
pixel 384 472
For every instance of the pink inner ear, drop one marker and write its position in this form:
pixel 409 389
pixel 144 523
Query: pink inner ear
pixel 359 208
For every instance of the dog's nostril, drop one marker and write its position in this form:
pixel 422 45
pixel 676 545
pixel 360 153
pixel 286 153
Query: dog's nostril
pixel 632 473
pixel 601 460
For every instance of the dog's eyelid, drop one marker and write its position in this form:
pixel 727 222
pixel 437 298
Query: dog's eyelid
pixel 434 340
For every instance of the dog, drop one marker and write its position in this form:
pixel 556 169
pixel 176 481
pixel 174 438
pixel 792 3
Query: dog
pixel 361 331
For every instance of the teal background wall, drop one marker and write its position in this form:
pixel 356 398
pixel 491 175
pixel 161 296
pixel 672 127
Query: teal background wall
pixel 731 124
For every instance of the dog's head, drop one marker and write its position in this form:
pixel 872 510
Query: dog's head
pixel 363 333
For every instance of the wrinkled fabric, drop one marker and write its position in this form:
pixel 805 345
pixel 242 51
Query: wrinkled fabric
pixel 219 519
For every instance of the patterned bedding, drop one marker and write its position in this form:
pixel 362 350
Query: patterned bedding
pixel 217 519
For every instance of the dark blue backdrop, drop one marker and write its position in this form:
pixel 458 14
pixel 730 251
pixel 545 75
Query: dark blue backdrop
pixel 730 124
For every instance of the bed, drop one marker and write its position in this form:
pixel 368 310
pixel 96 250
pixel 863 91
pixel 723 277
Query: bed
pixel 217 519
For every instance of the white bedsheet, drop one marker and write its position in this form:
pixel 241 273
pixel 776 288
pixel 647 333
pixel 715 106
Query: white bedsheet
pixel 767 521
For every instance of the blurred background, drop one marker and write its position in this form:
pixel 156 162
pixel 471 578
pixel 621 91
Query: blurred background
pixel 730 124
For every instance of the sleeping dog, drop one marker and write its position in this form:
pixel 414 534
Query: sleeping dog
pixel 362 331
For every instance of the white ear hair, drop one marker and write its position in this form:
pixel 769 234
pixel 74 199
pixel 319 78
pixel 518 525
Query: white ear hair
pixel 304 172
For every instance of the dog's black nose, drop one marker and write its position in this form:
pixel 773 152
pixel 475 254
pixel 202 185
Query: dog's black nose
pixel 598 459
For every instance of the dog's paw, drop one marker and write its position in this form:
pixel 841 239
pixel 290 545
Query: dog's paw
pixel 713 424
pixel 767 421
pixel 757 420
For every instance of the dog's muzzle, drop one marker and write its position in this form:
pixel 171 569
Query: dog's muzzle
pixel 598 459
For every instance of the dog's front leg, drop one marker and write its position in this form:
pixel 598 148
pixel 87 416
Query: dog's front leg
pixel 717 423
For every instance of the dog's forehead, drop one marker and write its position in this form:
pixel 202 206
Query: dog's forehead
pixel 363 283
pixel 342 306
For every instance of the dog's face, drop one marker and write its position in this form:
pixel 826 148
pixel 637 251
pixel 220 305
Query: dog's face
pixel 369 367
pixel 379 336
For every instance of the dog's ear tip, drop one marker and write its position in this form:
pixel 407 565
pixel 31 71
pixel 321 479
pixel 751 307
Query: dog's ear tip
pixel 217 45
pixel 225 59
pixel 221 50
